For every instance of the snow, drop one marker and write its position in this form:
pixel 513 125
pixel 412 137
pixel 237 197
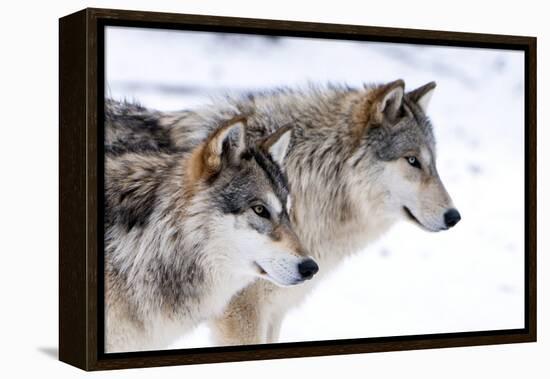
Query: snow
pixel 409 282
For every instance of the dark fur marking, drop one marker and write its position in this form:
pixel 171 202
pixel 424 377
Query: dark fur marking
pixel 132 205
pixel 274 174
pixel 132 128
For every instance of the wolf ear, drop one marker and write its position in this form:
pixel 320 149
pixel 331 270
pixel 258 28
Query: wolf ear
pixel 390 98
pixel 422 95
pixel 277 144
pixel 225 145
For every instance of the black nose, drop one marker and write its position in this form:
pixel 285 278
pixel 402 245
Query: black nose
pixel 308 268
pixel 452 217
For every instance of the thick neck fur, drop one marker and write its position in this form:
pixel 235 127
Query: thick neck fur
pixel 165 265
pixel 321 172
pixel 327 127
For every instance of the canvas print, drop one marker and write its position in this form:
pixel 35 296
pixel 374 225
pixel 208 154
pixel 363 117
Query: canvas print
pixel 267 189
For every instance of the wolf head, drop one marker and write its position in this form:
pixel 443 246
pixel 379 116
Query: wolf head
pixel 249 202
pixel 397 149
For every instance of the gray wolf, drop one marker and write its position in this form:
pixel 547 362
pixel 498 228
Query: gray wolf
pixel 185 230
pixel 359 160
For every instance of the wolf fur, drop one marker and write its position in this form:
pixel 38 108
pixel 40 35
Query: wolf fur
pixel 186 229
pixel 359 160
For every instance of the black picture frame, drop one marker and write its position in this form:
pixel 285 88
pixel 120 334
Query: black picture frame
pixel 81 96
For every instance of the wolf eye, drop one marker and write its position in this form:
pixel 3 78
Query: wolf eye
pixel 413 161
pixel 261 211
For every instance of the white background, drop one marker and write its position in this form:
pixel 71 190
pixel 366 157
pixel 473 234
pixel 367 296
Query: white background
pixel 28 156
pixel 409 282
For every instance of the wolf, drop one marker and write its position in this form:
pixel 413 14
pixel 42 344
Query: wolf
pixel 359 161
pixel 185 230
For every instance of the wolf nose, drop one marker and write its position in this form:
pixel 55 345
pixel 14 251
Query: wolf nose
pixel 451 217
pixel 308 268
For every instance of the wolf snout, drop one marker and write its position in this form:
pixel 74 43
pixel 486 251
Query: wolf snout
pixel 308 268
pixel 451 218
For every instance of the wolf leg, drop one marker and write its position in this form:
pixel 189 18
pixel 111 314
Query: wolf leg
pixel 255 315
pixel 243 321
pixel 274 328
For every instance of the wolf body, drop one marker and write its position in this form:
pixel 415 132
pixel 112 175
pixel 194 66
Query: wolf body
pixel 186 229
pixel 359 160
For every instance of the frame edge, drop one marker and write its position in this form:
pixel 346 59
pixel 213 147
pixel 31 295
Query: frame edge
pixel 72 190
pixel 531 183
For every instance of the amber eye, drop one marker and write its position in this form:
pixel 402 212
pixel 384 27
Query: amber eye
pixel 261 211
pixel 413 161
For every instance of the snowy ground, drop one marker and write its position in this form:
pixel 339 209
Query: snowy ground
pixel 410 282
